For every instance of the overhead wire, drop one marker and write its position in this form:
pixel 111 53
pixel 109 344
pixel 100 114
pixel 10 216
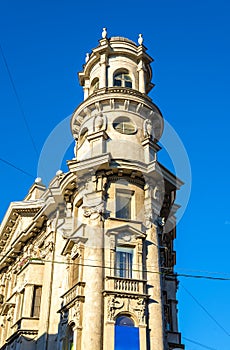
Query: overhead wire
pixel 206 311
pixel 18 101
pixel 15 167
pixel 197 343
pixel 134 270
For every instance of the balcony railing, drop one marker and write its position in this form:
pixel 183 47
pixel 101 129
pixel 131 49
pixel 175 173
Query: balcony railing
pixel 76 291
pixel 125 285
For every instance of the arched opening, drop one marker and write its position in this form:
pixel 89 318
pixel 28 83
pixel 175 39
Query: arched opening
pixel 122 78
pixel 83 135
pixel 126 334
pixel 94 85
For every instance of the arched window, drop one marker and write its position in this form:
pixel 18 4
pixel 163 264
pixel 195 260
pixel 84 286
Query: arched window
pixel 124 321
pixel 126 334
pixel 122 79
pixel 83 135
pixel 94 85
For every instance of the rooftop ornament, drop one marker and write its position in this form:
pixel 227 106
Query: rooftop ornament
pixel 140 39
pixel 86 57
pixel 104 33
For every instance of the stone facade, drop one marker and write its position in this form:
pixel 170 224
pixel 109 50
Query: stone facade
pixel 97 244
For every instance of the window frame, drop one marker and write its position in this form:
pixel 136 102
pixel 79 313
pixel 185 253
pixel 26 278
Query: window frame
pixel 36 302
pixel 130 195
pixel 124 257
pixel 124 78
pixel 124 125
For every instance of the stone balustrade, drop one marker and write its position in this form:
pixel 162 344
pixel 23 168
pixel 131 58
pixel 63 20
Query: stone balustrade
pixel 76 291
pixel 125 285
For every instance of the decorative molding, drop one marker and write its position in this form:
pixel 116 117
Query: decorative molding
pixel 94 211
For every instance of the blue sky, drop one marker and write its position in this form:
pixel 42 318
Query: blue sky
pixel 45 43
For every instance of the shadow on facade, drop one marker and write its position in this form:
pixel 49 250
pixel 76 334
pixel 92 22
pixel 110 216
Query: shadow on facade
pixel 27 339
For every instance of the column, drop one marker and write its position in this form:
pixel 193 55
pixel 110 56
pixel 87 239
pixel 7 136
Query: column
pixel 93 274
pixel 155 307
pixel 141 72
pixel 103 75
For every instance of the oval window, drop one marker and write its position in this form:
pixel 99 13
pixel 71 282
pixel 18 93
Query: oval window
pixel 124 125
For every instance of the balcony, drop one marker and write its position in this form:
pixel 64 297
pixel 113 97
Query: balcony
pixel 76 291
pixel 29 325
pixel 125 285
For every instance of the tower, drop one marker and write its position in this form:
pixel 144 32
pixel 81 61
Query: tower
pixel 92 255
pixel 128 197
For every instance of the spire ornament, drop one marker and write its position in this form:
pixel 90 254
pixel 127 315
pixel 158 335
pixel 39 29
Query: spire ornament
pixel 86 57
pixel 104 33
pixel 140 39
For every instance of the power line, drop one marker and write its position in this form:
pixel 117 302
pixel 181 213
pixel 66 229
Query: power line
pixel 15 167
pixel 203 277
pixel 206 311
pixel 197 343
pixel 205 271
pixel 18 100
pixel 134 270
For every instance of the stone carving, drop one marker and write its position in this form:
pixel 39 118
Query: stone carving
pixel 47 248
pixel 94 212
pixel 148 217
pixel 76 312
pixel 98 122
pixel 113 305
pixel 140 309
pixel 148 128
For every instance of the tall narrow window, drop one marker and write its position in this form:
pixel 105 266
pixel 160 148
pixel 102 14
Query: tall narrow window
pixel 124 261
pixel 123 204
pixel 122 79
pixel 75 271
pixel 36 302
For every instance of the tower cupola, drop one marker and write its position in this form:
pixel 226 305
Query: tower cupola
pixel 117 112
pixel 117 62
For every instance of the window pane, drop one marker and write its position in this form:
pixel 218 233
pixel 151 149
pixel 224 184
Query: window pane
pixel 36 303
pixel 128 84
pixel 124 321
pixel 129 128
pixel 124 264
pixel 127 77
pixel 123 205
pixel 117 82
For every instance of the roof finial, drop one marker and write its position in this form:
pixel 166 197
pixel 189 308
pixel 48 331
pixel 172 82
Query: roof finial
pixel 104 33
pixel 140 39
pixel 86 57
pixel 38 180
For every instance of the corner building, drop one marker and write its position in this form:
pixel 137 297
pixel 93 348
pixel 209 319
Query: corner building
pixel 87 263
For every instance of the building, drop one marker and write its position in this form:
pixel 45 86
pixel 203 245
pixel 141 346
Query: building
pixel 87 263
